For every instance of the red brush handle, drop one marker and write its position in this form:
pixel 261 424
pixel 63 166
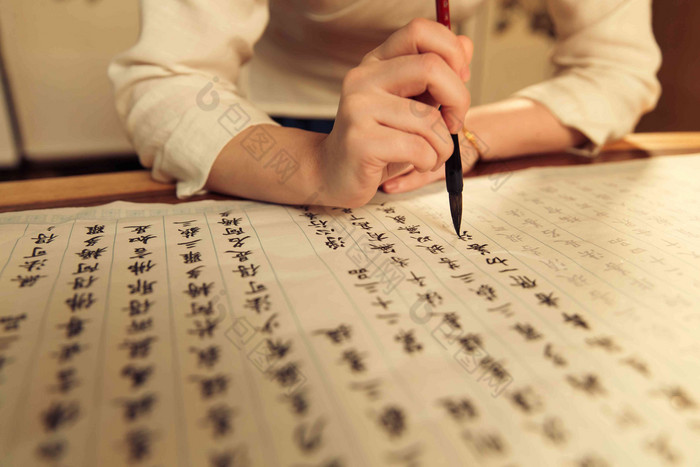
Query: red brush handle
pixel 443 12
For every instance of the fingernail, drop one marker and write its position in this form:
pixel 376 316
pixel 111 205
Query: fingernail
pixel 391 186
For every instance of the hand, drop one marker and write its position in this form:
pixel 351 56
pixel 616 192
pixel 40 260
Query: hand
pixel 380 129
pixel 411 179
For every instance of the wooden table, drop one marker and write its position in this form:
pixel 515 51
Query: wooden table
pixel 137 186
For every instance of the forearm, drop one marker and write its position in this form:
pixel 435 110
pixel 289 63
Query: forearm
pixel 270 163
pixel 517 127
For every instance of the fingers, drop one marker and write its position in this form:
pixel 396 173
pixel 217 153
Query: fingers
pixel 468 47
pixel 411 181
pixel 414 117
pixel 414 75
pixel 422 35
pixel 390 147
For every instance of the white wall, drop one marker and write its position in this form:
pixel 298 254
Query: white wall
pixel 507 62
pixel 56 53
pixel 8 154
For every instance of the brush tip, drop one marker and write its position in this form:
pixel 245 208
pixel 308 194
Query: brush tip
pixel 456 210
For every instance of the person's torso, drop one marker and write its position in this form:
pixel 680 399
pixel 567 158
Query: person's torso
pixel 309 45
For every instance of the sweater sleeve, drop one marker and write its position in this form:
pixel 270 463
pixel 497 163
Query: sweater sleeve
pixel 175 89
pixel 606 62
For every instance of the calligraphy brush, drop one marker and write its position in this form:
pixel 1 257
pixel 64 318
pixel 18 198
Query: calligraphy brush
pixel 453 166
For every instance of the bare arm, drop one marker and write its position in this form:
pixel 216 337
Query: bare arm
pixel 510 128
pixel 270 163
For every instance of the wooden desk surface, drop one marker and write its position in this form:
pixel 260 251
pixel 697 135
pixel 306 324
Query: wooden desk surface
pixel 137 186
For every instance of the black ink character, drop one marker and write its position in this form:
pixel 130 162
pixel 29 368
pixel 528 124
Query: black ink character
pixel 411 229
pixel 527 331
pixel 74 327
pixel 231 231
pixel 470 343
pixel 87 253
pixel 95 229
pixel 460 409
pixel 432 298
pixel 36 264
pixel 204 328
pixel 80 301
pixel 249 271
pixel 138 348
pixel 465 278
pixel 66 380
pixel 189 232
pixel 451 263
pixel 59 414
pixel 384 248
pixel 486 291
pixel 258 304
pixel 68 351
pixel 219 417
pixel 142 239
pixel 194 291
pixel 355 360
pixel 547 299
pixel 138 407
pixel 83 268
pixel 555 357
pixel 337 335
pixel 382 303
pixel 485 444
pixel 408 339
pixel 278 349
pixel 141 286
pixel 238 242
pixel 393 421
pixel 139 325
pixel 335 242
pixel 588 383
pixel 42 239
pixel 241 255
pixel 138 375
pixel 480 248
pixel 137 307
pixel 194 272
pixel 27 281
pixel 197 309
pixel 138 443
pixel 138 229
pixel 298 402
pixel 210 386
pixel 82 282
pixel 207 357
pixel 270 324
pixel 140 267
pixel 309 438
pixel 231 458
pixel 11 322
pixel 576 320
pixel 191 257
pixel 140 253
pixel 526 400
pixel 287 375
pixel 434 248
pixel 52 451
pixel 92 241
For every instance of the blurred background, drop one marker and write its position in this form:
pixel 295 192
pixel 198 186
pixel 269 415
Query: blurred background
pixel 57 114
